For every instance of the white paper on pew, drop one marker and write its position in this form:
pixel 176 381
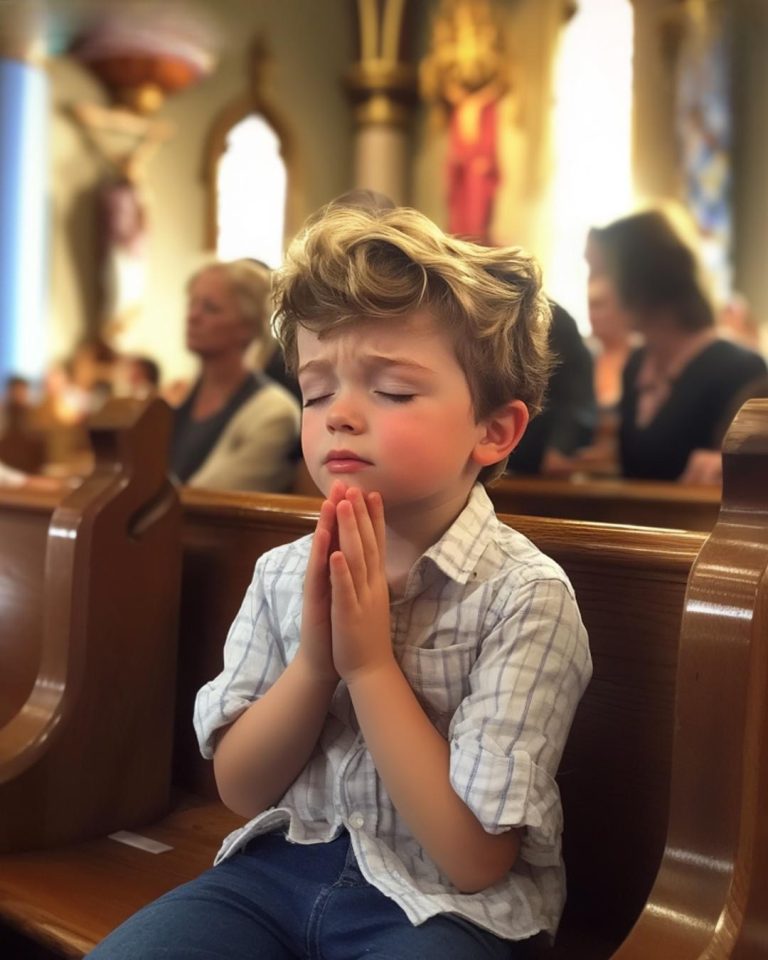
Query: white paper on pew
pixel 141 843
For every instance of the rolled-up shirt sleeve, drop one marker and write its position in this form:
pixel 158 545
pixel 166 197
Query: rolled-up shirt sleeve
pixel 253 660
pixel 508 735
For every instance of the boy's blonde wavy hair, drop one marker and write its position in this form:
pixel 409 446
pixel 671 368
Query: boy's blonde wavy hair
pixel 351 264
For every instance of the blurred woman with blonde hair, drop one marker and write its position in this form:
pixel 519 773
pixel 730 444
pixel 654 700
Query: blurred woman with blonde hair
pixel 237 429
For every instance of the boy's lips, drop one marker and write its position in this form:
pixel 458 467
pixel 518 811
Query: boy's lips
pixel 345 461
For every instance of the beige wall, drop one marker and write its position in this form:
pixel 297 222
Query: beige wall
pixel 751 158
pixel 312 43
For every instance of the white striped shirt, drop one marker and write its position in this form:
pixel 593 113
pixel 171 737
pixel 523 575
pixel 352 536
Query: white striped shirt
pixel 490 638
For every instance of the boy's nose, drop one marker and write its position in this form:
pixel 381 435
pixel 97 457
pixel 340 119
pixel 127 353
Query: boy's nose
pixel 343 417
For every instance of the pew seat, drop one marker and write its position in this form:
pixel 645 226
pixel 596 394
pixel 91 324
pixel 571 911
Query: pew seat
pixel 664 778
pixel 67 898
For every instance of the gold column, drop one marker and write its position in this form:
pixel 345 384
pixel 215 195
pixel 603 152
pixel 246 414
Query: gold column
pixel 382 89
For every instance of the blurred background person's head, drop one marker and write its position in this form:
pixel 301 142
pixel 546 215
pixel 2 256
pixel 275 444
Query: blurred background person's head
pixel 655 273
pixel 227 309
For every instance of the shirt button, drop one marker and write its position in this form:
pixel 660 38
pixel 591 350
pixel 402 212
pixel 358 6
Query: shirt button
pixel 356 821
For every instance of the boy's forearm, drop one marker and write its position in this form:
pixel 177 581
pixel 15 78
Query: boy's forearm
pixel 264 750
pixel 413 760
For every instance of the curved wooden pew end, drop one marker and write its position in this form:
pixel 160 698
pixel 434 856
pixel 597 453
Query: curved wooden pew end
pixel 95 730
pixel 711 894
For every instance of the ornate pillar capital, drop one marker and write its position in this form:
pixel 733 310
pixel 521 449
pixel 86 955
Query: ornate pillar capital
pixel 382 91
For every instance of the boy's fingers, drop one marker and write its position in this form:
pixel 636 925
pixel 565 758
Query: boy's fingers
pixel 376 513
pixel 342 584
pixel 337 492
pixel 327 518
pixel 365 529
pixel 351 545
pixel 316 579
pixel 318 555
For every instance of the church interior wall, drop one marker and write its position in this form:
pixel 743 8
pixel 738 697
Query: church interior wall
pixel 312 44
pixel 312 47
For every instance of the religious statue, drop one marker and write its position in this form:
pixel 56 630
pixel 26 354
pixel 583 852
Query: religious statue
pixel 464 75
pixel 125 141
pixel 141 55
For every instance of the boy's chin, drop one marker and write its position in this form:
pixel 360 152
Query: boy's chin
pixel 326 484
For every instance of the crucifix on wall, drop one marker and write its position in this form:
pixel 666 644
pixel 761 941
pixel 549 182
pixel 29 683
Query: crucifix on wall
pixel 141 56
pixel 125 141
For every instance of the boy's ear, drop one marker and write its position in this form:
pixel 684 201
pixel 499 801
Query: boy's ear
pixel 501 433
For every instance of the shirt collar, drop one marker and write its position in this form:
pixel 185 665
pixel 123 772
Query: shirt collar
pixel 457 552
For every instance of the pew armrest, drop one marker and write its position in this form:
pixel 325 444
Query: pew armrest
pixel 711 893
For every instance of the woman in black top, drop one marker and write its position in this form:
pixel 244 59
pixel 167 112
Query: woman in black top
pixel 684 385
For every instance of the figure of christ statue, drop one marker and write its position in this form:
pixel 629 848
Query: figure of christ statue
pixel 472 168
pixel 126 141
pixel 465 76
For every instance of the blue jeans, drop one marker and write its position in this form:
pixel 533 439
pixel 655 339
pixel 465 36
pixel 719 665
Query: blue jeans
pixel 283 901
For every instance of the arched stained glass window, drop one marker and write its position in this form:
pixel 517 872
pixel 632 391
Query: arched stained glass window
pixel 251 173
pixel 251 188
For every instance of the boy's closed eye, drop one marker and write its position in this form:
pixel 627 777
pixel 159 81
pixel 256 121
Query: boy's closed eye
pixel 384 394
pixel 395 397
pixel 311 401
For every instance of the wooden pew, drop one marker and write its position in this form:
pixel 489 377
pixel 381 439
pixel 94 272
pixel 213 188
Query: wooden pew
pixel 87 674
pixel 704 888
pixel 644 503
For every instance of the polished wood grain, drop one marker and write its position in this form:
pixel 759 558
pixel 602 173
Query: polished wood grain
pixel 610 500
pixel 710 898
pixel 86 736
pixel 70 897
pixel 645 503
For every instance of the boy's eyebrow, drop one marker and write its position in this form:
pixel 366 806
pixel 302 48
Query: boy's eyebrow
pixel 322 366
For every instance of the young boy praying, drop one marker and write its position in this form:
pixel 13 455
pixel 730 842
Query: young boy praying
pixel 398 687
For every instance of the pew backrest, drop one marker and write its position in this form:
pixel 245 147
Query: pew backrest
pixel 608 500
pixel 86 732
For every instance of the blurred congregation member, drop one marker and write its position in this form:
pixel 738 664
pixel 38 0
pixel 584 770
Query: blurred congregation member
pixel 611 342
pixel 237 429
pixel 685 381
pixel 567 422
pixel 73 389
pixel 17 399
pixel 14 479
pixel 737 322
pixel 21 446
pixel 138 376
